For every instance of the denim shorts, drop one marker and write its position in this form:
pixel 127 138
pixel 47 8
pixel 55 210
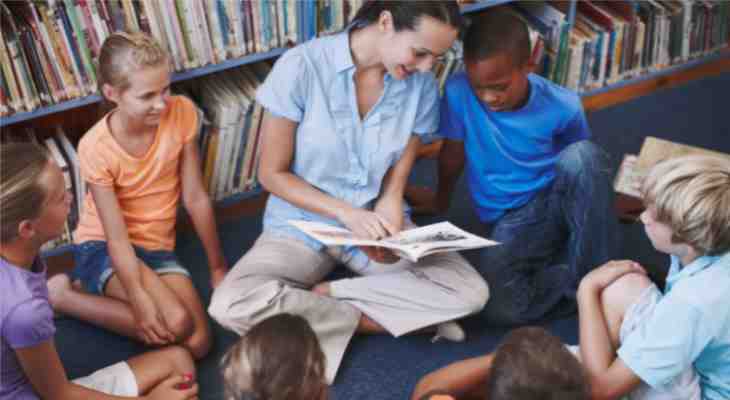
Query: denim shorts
pixel 93 265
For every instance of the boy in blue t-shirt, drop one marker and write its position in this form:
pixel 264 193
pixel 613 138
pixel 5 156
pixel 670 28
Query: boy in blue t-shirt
pixel 538 185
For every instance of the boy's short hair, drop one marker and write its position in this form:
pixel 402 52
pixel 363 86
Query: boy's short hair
pixel 497 31
pixel 691 195
pixel 530 363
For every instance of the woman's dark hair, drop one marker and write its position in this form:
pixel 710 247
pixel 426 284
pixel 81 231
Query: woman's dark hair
pixel 407 13
pixel 278 359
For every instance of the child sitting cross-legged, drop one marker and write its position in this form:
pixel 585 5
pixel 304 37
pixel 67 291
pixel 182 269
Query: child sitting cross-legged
pixel 34 205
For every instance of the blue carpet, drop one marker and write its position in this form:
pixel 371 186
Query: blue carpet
pixel 380 367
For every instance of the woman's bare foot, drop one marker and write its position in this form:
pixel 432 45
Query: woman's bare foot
pixel 322 289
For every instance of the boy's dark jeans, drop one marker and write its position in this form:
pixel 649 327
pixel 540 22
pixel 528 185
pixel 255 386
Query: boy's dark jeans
pixel 551 242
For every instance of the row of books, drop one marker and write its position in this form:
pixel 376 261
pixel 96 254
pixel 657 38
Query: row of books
pixel 610 41
pixel 63 152
pixel 49 48
pixel 231 135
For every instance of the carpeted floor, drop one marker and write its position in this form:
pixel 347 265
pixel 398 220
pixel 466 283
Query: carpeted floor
pixel 383 368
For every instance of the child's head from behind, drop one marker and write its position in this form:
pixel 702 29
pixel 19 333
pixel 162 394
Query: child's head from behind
pixel 278 359
pixel 688 205
pixel 34 203
pixel 134 74
pixel 413 33
pixel 530 363
pixel 496 59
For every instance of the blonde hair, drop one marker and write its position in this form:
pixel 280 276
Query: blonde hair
pixel 278 359
pixel 122 52
pixel 21 194
pixel 691 195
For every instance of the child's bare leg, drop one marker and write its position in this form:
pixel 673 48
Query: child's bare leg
pixel 616 300
pixel 180 315
pixel 153 367
pixel 199 342
pixel 104 312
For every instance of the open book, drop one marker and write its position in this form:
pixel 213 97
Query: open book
pixel 411 244
pixel 634 169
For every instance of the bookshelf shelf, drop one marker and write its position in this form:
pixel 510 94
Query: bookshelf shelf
pixel 237 197
pixel 673 69
pixel 176 77
pixel 479 6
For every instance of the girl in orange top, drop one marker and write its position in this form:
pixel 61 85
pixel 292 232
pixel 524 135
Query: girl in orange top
pixel 138 161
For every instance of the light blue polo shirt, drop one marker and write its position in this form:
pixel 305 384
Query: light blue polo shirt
pixel 335 151
pixel 689 327
pixel 510 155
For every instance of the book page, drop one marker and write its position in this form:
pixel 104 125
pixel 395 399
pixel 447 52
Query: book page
pixel 629 178
pixel 411 243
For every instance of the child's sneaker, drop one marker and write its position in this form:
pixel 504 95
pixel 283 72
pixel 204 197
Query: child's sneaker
pixel 450 330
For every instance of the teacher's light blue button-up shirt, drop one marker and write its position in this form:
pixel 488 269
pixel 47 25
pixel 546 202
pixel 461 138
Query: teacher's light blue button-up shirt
pixel 335 150
pixel 689 327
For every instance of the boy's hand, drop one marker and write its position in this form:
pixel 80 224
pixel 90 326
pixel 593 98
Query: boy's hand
pixel 606 274
pixel 149 320
pixel 422 200
pixel 171 389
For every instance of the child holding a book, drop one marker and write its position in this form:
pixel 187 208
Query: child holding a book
pixel 345 115
pixel 278 359
pixel 539 187
pixel 34 205
pixel 139 161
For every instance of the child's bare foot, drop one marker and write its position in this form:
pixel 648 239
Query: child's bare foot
pixel 59 286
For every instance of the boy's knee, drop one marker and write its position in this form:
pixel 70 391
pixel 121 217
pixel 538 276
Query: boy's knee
pixel 579 156
pixel 623 292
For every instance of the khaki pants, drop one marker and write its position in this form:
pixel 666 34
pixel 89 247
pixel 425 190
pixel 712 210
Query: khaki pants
pixel 275 276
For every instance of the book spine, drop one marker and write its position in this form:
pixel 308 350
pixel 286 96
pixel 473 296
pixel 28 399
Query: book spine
pixel 81 41
pixel 14 90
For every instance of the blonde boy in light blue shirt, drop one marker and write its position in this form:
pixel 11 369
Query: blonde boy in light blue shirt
pixel 687 327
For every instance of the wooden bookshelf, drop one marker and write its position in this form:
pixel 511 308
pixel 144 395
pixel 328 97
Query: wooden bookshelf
pixel 670 77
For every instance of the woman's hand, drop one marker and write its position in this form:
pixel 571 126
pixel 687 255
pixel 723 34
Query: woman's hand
pixel 149 320
pixel 380 255
pixel 391 210
pixel 366 224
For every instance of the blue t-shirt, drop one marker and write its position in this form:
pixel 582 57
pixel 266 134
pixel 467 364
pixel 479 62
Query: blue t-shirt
pixel 335 150
pixel 510 154
pixel 689 327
